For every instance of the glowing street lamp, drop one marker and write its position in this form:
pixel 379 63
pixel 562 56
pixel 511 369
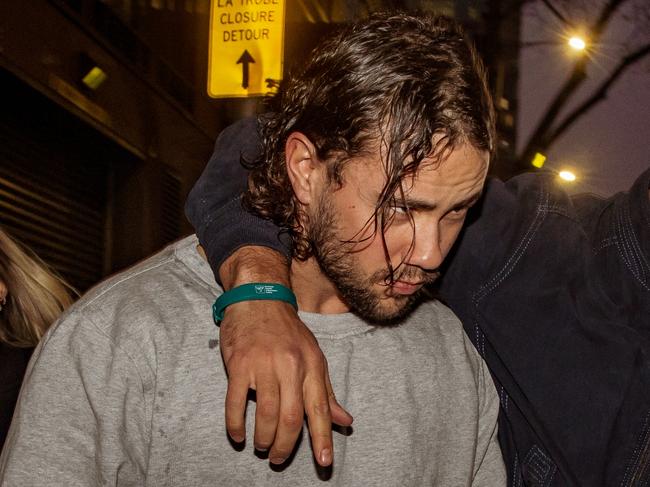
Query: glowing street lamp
pixel 577 43
pixel 567 176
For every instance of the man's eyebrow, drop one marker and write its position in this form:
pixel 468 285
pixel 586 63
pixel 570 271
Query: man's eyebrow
pixel 418 204
pixel 470 200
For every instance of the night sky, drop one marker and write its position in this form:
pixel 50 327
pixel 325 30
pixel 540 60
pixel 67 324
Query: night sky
pixel 610 145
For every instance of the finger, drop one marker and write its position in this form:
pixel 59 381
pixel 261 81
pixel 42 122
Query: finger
pixel 290 421
pixel 236 407
pixel 320 420
pixel 266 411
pixel 339 415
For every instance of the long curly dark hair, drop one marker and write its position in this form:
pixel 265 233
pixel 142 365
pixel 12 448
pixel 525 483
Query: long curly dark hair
pixel 392 81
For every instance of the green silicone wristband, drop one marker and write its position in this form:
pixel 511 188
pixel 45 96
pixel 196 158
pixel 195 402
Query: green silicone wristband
pixel 252 292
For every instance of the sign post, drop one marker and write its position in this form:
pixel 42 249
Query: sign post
pixel 246 47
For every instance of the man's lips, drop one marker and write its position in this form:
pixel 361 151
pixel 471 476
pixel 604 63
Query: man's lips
pixel 406 287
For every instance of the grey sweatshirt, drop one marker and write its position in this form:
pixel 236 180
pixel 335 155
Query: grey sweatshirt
pixel 128 389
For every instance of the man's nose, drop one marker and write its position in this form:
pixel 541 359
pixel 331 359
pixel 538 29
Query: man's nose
pixel 426 252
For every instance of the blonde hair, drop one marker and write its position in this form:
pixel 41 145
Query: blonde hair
pixel 36 295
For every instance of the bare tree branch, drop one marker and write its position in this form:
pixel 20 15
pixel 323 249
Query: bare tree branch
pixel 539 139
pixel 601 93
pixel 557 13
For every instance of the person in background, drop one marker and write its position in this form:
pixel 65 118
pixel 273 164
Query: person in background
pixel 31 298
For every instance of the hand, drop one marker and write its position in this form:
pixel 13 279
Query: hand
pixel 267 348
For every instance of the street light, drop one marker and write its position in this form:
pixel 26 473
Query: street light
pixel 577 43
pixel 567 176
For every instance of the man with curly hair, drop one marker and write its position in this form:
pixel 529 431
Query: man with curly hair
pixel 377 150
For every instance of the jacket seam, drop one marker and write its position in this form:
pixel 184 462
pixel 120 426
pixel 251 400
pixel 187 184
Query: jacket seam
pixel 505 271
pixel 629 249
pixel 633 465
pixel 605 243
pixel 541 211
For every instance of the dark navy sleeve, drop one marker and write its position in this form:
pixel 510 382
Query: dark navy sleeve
pixel 534 209
pixel 214 205
pixel 554 292
pixel 618 230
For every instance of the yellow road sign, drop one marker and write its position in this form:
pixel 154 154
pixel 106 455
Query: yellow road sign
pixel 246 47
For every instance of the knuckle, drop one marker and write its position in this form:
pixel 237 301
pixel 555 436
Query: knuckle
pixel 266 410
pixel 316 358
pixel 314 348
pixel 313 351
pixel 323 438
pixel 292 359
pixel 292 419
pixel 319 408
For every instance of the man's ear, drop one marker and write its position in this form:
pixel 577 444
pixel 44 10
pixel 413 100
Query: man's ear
pixel 304 170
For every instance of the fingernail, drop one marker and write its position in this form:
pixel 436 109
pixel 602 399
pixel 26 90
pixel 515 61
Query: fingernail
pixel 237 439
pixel 326 456
pixel 277 461
pixel 261 449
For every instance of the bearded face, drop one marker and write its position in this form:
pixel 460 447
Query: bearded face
pixel 368 294
pixel 353 256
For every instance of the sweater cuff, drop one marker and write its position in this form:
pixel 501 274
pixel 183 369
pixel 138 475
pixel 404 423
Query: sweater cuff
pixel 239 229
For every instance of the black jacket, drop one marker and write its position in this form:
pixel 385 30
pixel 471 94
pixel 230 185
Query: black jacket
pixel 554 292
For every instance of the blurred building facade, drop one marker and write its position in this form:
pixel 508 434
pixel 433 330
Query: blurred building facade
pixel 106 123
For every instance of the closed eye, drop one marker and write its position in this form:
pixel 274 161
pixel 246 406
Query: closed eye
pixel 458 212
pixel 400 212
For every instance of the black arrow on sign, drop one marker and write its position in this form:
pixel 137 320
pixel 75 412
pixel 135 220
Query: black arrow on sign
pixel 244 59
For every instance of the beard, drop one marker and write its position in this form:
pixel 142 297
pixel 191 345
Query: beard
pixel 357 289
